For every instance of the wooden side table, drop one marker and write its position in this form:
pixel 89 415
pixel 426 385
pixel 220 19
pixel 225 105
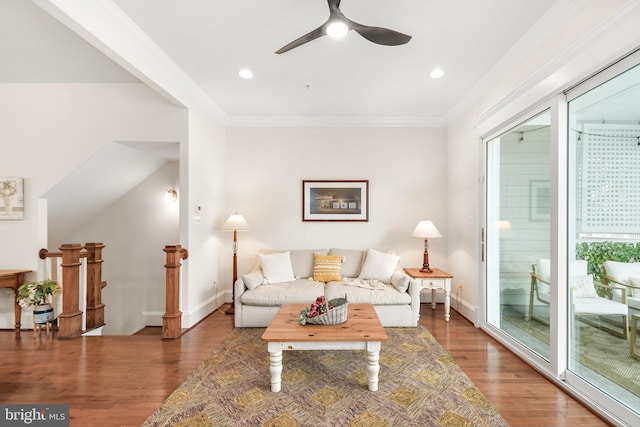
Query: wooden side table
pixel 13 279
pixel 436 279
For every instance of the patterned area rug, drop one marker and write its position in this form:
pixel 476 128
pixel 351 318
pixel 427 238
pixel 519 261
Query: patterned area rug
pixel 419 385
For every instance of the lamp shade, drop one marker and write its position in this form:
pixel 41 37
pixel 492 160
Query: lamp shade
pixel 235 222
pixel 426 230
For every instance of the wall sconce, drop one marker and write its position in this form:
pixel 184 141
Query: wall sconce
pixel 171 195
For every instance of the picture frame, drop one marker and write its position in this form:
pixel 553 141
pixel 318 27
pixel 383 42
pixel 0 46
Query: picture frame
pixel 335 200
pixel 539 200
pixel 11 198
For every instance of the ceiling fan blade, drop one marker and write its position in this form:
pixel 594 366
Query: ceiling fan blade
pixel 379 35
pixel 318 32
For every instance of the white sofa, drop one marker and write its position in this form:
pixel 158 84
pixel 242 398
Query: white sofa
pixel 367 276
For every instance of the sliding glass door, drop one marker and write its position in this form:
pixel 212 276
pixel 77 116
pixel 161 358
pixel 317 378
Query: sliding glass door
pixel 604 195
pixel 562 239
pixel 518 233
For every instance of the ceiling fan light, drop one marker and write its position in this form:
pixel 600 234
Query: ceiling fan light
pixel 245 73
pixel 337 29
pixel 436 73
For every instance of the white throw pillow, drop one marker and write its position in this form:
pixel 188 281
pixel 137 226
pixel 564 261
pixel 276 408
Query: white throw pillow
pixel 254 279
pixel 400 280
pixel 582 287
pixel 277 267
pixel 379 265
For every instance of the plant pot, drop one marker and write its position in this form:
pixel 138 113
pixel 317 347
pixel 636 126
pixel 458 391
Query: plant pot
pixel 43 314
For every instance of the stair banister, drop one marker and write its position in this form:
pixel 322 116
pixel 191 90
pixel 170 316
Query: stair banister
pixel 172 318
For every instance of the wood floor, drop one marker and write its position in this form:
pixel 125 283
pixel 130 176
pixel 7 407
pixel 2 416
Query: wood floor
pixel 121 380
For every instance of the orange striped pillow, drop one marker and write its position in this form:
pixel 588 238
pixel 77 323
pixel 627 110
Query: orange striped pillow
pixel 326 268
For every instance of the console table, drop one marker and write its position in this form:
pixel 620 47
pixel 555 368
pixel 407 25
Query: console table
pixel 13 279
pixel 434 280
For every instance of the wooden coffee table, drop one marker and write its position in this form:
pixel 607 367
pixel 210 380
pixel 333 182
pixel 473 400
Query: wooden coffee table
pixel 361 331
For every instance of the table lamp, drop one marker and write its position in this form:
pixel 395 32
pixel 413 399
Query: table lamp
pixel 426 230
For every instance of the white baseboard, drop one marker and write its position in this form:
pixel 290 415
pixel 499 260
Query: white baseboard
pixel 470 312
pixel 152 318
pixel 94 332
pixel 190 317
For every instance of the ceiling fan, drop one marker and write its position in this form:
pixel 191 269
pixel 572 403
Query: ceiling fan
pixel 383 36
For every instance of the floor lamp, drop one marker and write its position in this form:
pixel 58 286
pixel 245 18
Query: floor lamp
pixel 426 230
pixel 235 223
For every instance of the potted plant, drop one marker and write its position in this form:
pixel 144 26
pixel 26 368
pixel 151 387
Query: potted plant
pixel 36 294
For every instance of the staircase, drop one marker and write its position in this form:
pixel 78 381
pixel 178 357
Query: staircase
pixel 78 269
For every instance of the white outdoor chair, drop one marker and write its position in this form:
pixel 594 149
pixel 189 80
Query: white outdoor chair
pixel 585 302
pixel 624 276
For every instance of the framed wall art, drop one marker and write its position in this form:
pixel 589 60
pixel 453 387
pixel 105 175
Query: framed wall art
pixel 335 200
pixel 11 198
pixel 539 200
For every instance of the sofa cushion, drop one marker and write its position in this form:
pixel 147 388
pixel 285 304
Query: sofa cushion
pixel 379 266
pixel 327 268
pixel 301 260
pixel 387 296
pixel 276 267
pixel 621 272
pixel 351 261
pixel 598 306
pixel 299 291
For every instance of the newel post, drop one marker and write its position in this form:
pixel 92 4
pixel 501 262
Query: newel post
pixel 172 318
pixel 70 320
pixel 95 307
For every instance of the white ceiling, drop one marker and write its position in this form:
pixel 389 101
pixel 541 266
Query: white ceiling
pixel 212 39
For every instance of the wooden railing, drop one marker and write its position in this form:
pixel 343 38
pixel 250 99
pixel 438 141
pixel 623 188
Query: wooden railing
pixel 172 318
pixel 73 321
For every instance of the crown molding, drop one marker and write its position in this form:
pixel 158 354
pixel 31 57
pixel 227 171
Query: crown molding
pixel 334 121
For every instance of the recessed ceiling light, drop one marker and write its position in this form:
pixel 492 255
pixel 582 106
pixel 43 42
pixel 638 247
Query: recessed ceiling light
pixel 436 73
pixel 337 29
pixel 245 73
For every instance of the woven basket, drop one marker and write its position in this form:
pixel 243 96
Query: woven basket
pixel 334 316
pixel 43 314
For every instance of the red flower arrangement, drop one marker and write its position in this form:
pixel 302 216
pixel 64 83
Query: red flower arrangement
pixel 320 306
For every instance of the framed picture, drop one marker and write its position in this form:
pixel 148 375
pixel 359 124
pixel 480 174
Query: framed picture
pixel 11 198
pixel 335 200
pixel 539 200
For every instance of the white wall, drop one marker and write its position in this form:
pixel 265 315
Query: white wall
pixel 48 130
pixel 406 169
pixel 203 173
pixel 465 186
